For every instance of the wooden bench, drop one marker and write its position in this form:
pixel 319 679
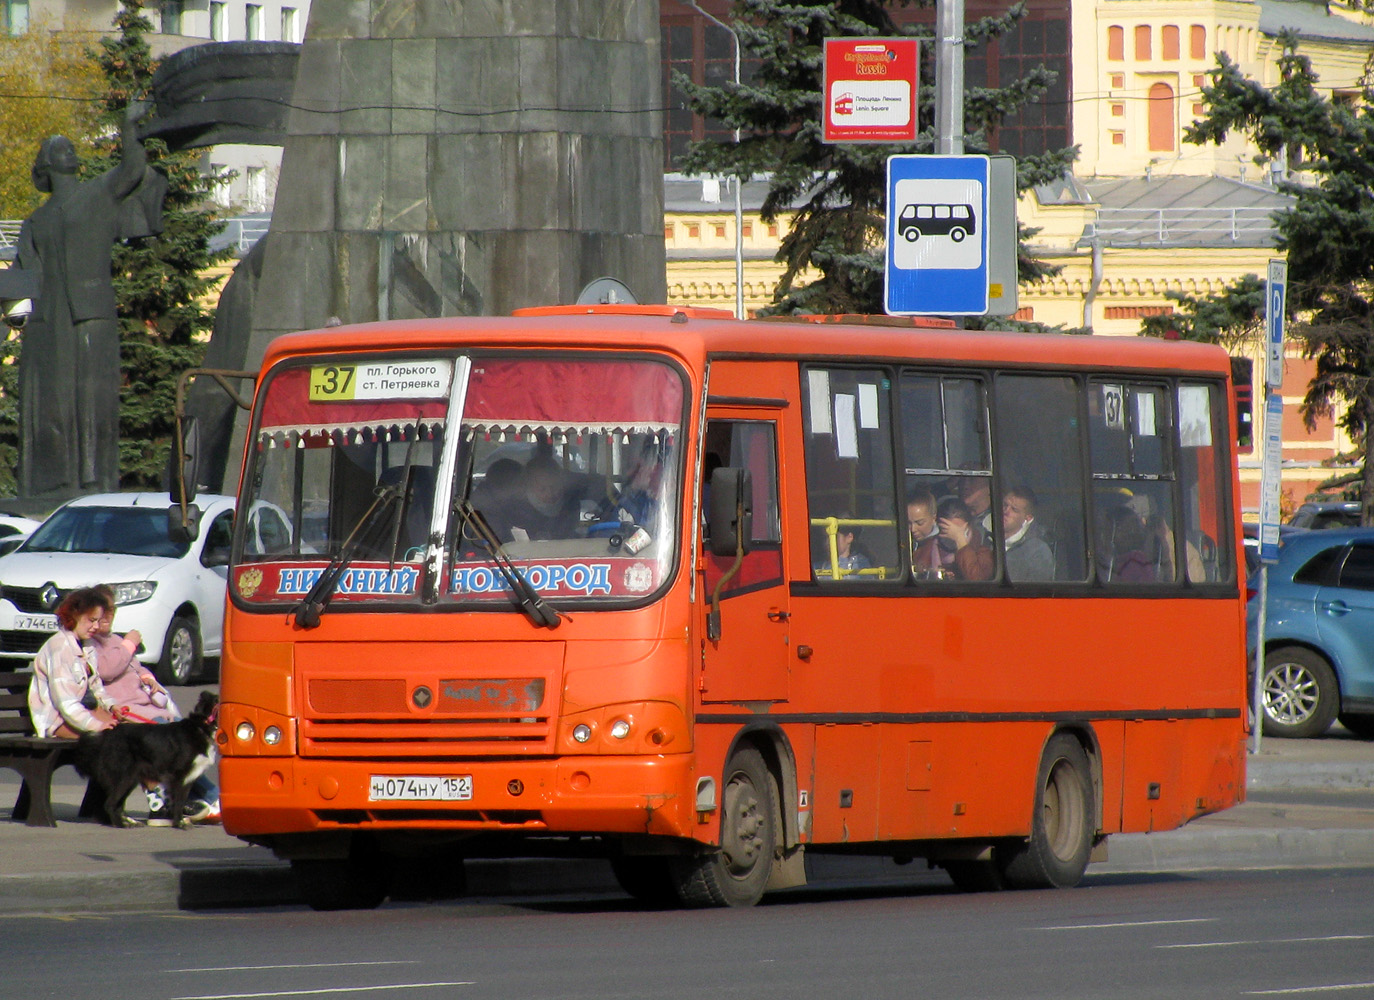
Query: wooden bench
pixel 35 758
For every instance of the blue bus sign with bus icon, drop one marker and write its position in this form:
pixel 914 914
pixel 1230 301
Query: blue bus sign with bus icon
pixel 937 244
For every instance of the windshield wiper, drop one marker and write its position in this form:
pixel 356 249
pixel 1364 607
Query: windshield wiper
pixel 313 604
pixel 536 609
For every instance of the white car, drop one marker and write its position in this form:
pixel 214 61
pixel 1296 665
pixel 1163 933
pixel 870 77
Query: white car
pixel 172 592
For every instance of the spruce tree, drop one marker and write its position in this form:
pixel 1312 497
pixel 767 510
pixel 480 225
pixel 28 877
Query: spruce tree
pixel 161 282
pixel 1327 233
pixel 840 190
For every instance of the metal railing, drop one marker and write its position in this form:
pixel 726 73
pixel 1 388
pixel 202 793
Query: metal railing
pixel 1178 225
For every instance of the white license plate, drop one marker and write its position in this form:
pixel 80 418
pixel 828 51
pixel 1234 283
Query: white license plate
pixel 419 788
pixel 35 623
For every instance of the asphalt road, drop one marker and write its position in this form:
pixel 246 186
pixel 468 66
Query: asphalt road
pixel 1219 935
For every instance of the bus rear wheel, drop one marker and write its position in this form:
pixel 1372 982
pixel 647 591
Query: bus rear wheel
pixel 1062 826
pixel 737 873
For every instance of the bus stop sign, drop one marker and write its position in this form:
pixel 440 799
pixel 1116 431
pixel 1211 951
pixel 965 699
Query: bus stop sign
pixel 937 236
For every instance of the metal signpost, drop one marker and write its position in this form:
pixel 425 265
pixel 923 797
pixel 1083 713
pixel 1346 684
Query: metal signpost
pixel 1271 473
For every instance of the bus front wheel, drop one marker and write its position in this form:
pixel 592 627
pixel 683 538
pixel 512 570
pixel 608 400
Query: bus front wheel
pixel 1062 826
pixel 737 873
pixel 358 882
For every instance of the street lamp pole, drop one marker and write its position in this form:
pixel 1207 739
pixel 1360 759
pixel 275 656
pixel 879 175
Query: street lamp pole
pixel 739 178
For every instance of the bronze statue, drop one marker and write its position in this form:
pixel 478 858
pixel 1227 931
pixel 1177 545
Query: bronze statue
pixel 69 360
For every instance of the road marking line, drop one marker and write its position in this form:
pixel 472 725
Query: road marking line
pixel 310 965
pixel 321 992
pixel 1128 923
pixel 1308 989
pixel 1301 940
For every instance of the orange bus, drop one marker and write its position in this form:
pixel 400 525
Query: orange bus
pixel 701 595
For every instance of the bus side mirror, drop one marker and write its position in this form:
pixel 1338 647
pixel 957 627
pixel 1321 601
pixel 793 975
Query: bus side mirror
pixel 183 529
pixel 182 464
pixel 730 517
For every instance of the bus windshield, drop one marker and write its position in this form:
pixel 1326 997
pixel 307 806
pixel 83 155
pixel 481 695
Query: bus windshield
pixel 572 463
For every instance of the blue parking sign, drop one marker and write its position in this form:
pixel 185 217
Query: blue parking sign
pixel 937 236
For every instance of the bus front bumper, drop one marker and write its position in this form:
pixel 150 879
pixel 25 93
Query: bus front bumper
pixel 592 794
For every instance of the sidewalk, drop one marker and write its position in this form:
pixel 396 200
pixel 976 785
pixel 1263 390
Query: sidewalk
pixel 1312 805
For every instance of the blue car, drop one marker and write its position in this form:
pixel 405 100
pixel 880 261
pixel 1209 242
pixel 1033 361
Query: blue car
pixel 1319 634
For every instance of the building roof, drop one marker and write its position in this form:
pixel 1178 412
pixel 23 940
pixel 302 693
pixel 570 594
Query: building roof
pixel 1311 19
pixel 1183 212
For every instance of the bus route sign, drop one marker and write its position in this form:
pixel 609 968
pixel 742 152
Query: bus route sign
pixel 937 236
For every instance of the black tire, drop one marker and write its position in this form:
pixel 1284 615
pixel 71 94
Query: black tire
pixel 181 659
pixel 737 872
pixel 1300 693
pixel 1360 726
pixel 975 876
pixel 647 879
pixel 358 882
pixel 1062 825
pixel 957 235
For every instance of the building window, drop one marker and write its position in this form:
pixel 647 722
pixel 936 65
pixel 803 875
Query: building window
pixel 1118 138
pixel 1197 42
pixel 1118 110
pixel 1116 43
pixel 219 21
pixel 252 22
pixel 257 189
pixel 17 17
pixel 693 231
pixel 667 230
pixel 1118 79
pixel 1142 42
pixel 1168 42
pixel 288 25
pixel 171 17
pixel 719 228
pixel 1199 80
pixel 773 230
pixel 1198 109
pixel 748 230
pixel 1161 118
pixel 221 190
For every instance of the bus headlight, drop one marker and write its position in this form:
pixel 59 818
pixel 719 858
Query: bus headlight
pixel 271 736
pixel 642 727
pixel 620 729
pixel 244 731
pixel 582 732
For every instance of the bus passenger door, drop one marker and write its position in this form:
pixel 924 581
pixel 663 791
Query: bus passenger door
pixel 749 661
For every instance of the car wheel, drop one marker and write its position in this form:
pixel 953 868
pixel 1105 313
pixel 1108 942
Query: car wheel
pixel 1361 726
pixel 1300 694
pixel 181 658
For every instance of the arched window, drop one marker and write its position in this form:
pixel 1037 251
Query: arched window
pixel 1161 118
pixel 1116 43
pixel 1197 42
pixel 1142 42
pixel 1168 42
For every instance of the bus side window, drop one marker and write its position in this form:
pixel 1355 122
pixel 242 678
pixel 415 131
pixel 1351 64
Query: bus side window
pixel 1205 481
pixel 849 475
pixel 1039 476
pixel 1130 427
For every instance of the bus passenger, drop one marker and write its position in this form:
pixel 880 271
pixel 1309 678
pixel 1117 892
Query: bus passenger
pixel 973 558
pixel 928 560
pixel 1127 558
pixel 1028 558
pixel 849 557
pixel 976 492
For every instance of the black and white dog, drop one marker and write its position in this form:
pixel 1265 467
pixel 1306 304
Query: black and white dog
pixel 171 753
